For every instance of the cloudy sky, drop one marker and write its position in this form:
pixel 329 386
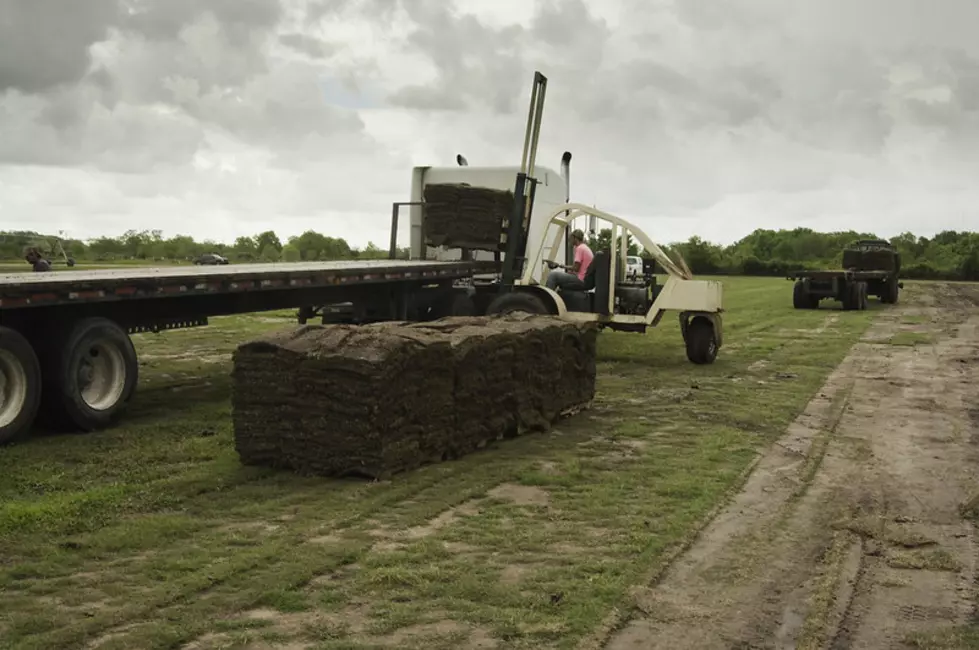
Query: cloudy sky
pixel 218 118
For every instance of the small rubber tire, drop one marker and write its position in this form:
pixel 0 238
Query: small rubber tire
pixel 701 341
pixel 20 380
pixel 65 404
pixel 514 302
pixel 864 297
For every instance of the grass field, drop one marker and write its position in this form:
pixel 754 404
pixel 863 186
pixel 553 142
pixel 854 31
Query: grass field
pixel 152 535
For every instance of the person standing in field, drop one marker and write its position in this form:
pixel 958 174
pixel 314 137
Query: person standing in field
pixel 574 275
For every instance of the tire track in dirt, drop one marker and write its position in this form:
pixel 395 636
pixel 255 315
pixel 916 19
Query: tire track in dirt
pixel 848 532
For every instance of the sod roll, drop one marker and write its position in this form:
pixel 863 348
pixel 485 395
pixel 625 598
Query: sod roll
pixel 379 399
pixel 459 215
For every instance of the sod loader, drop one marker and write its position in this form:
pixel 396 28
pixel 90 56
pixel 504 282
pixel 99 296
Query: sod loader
pixel 522 229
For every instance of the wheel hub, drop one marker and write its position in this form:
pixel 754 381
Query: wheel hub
pixel 13 387
pixel 101 375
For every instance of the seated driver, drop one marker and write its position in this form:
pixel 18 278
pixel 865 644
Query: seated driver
pixel 574 275
pixel 33 257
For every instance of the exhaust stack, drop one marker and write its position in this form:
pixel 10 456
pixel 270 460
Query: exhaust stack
pixel 566 173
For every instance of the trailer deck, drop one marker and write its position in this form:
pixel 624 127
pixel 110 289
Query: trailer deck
pixel 829 274
pixel 19 290
pixel 65 351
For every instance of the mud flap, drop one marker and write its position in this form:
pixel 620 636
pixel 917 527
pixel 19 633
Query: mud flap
pixel 714 317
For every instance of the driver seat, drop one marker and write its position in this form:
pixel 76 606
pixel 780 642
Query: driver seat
pixel 580 296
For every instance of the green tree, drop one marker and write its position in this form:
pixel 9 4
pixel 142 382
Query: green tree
pixel 270 253
pixel 290 253
pixel 603 241
pixel 268 238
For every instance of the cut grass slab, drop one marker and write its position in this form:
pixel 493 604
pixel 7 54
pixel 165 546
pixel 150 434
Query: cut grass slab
pixel 152 534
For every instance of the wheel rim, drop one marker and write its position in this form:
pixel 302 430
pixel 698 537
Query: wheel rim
pixel 13 387
pixel 101 375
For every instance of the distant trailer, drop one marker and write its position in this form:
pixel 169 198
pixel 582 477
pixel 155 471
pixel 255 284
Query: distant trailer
pixel 65 350
pixel 851 288
pixel 870 268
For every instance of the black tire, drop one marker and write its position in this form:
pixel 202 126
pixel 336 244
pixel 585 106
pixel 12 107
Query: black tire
pixel 864 296
pixel 20 385
pixel 850 296
pixel 889 294
pixel 800 297
pixel 512 302
pixel 90 376
pixel 701 341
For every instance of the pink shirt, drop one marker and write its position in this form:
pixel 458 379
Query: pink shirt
pixel 583 255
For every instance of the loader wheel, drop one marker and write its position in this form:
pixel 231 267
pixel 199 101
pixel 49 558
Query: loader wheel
pixel 90 377
pixel 20 385
pixel 510 303
pixel 701 342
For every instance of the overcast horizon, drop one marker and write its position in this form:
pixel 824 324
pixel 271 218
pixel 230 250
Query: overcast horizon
pixel 221 118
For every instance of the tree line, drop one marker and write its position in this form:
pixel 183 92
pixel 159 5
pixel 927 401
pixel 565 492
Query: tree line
pixel 152 246
pixel 949 255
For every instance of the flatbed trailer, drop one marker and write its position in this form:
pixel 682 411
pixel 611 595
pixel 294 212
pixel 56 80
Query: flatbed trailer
pixel 65 350
pixel 851 287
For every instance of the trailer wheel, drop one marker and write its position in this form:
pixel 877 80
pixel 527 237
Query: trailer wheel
pixel 889 294
pixel 91 375
pixel 864 299
pixel 851 296
pixel 20 385
pixel 802 299
pixel 509 303
pixel 799 295
pixel 701 341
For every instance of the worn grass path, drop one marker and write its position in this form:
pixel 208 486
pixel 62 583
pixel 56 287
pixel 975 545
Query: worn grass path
pixel 152 535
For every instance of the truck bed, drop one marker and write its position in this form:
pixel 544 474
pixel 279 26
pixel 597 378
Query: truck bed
pixel 72 287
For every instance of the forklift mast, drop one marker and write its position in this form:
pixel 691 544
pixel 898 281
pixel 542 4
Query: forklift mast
pixel 525 188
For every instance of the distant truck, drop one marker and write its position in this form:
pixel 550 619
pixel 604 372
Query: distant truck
pixel 870 268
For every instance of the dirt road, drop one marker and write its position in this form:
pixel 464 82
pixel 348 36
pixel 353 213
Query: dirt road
pixel 850 531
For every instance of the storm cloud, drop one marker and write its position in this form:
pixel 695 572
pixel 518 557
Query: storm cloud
pixel 221 117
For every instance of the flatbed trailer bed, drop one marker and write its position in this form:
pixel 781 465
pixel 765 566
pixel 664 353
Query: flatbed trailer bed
pixel 64 336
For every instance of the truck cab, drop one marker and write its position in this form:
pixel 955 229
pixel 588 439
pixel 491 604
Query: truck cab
pixel 551 193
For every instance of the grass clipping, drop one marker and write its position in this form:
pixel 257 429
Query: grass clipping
pixel 379 399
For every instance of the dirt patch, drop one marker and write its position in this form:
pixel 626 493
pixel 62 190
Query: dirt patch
pixel 393 540
pixel 342 573
pixel 521 495
pixel 250 527
pixel 513 574
pixel 826 547
pixel 202 357
pixel 353 619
